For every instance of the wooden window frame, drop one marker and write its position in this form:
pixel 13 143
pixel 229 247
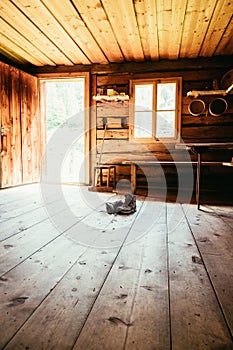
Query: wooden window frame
pixel 155 82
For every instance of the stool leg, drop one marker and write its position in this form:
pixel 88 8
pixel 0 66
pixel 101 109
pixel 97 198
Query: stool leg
pixel 101 177
pixel 108 177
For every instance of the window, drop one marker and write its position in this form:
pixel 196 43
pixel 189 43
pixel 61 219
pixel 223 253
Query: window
pixel 155 110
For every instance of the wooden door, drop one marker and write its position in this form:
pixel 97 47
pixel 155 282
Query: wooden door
pixel 22 128
pixel 11 160
pixel 32 128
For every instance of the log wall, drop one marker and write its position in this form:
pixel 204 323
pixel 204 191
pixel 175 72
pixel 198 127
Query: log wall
pixel 203 128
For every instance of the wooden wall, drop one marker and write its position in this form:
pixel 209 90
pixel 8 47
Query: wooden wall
pixel 23 133
pixel 203 128
pixel 22 127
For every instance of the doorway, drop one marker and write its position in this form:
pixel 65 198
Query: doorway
pixel 67 125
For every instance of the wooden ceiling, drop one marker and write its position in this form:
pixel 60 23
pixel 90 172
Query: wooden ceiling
pixel 70 32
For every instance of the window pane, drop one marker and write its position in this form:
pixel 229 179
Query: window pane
pixel 143 97
pixel 165 126
pixel 143 125
pixel 166 96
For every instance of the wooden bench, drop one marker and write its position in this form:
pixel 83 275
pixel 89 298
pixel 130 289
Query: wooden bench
pixel 134 163
pixel 199 149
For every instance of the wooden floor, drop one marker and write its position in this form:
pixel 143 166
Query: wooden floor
pixel 74 277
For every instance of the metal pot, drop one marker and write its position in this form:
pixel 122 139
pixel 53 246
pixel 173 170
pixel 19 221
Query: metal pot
pixel 218 106
pixel 196 107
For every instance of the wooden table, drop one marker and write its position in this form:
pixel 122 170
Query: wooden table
pixel 201 148
pixel 135 163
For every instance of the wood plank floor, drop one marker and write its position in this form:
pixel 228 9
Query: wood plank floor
pixel 74 277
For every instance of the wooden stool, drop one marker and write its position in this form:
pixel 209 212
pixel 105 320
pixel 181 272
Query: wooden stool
pixel 109 168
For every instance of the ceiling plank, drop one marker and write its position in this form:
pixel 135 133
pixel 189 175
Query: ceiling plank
pixel 164 13
pixel 177 22
pixel 12 48
pixel 200 28
pixel 96 20
pixel 9 56
pixel 193 11
pixel 67 15
pixel 148 29
pixel 16 19
pixel 16 37
pixel 221 17
pixel 42 18
pixel 226 43
pixel 86 32
pixel 122 18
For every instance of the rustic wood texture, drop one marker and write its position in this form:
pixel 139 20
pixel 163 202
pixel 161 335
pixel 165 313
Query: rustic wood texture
pixel 86 32
pixel 190 290
pixel 221 18
pixel 37 13
pixel 87 48
pixel 186 65
pixel 203 128
pixel 92 13
pixel 32 134
pixel 159 278
pixel 13 16
pixel 113 109
pixel 11 164
pixel 23 138
pixel 207 231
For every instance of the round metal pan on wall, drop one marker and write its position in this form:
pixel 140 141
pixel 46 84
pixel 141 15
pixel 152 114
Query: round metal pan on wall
pixel 218 106
pixel 227 79
pixel 196 107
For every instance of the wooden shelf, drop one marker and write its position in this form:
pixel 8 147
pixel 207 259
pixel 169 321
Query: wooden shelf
pixel 111 98
pixel 196 93
pixel 228 164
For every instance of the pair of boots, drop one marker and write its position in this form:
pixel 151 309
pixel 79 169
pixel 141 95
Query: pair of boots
pixel 120 207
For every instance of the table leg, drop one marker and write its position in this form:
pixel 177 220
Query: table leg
pixel 114 177
pixel 133 177
pixel 198 180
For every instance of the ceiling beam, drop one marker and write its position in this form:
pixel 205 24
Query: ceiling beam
pixel 216 62
pixel 219 62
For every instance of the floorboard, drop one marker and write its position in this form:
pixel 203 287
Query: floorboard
pixel 214 239
pixel 224 213
pixel 196 320
pixel 73 277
